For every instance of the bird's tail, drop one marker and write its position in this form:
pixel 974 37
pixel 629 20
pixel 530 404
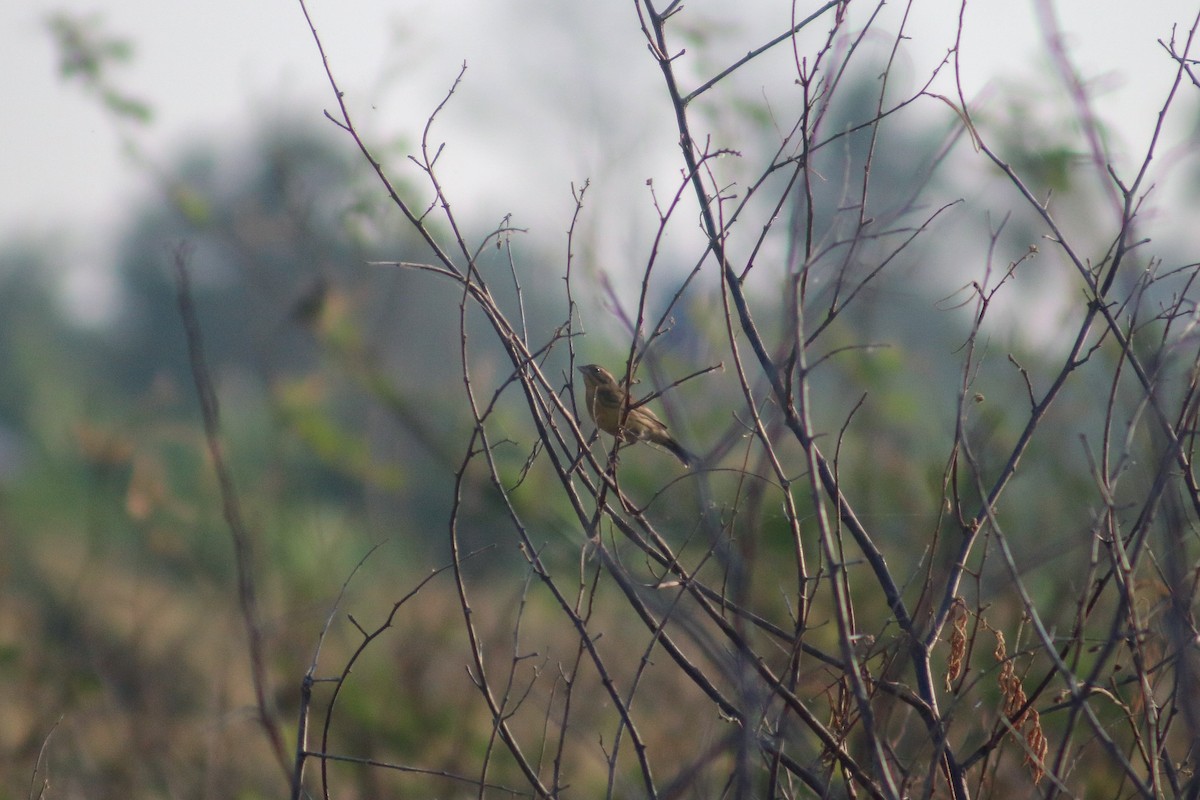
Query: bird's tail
pixel 686 458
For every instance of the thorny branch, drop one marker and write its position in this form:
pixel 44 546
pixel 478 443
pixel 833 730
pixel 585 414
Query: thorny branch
pixel 815 685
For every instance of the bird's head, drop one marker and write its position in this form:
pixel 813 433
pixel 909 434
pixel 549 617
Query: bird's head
pixel 596 375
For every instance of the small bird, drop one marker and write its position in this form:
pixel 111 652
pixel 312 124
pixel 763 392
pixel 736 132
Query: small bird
pixel 608 408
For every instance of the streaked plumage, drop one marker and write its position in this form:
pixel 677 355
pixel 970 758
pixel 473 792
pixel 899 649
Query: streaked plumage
pixel 605 399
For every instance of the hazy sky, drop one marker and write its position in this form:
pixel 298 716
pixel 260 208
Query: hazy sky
pixel 542 73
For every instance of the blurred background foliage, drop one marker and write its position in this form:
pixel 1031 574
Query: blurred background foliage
pixel 344 421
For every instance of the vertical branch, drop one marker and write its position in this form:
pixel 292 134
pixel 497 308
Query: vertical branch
pixel 820 471
pixel 231 509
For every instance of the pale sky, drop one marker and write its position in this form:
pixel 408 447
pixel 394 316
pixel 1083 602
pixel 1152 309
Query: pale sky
pixel 540 71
